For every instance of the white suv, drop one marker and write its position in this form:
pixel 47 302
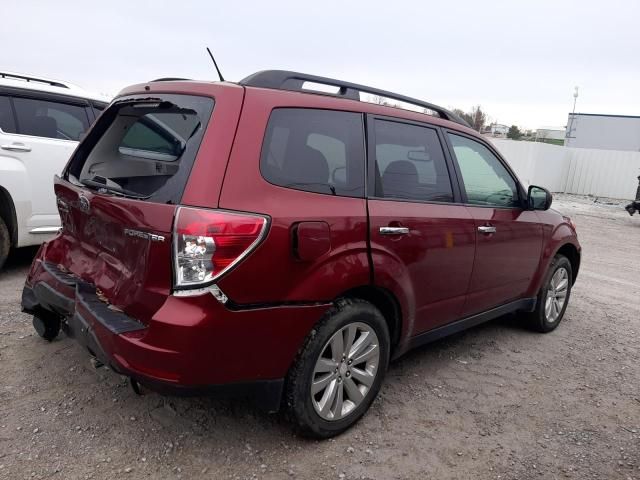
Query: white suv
pixel 41 121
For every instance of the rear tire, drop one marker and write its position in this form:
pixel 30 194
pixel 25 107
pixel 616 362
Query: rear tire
pixel 5 242
pixel 553 297
pixel 344 359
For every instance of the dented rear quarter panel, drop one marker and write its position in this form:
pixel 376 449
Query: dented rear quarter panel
pixel 273 273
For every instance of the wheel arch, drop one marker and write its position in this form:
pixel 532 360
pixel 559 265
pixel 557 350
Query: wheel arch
pixel 8 214
pixel 570 251
pixel 385 301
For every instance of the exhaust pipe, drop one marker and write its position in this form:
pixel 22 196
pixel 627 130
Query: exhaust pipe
pixel 137 388
pixel 95 363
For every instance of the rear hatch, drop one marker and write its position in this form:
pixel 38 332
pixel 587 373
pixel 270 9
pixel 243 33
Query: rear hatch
pixel 118 196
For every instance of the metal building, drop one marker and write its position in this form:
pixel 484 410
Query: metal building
pixel 606 132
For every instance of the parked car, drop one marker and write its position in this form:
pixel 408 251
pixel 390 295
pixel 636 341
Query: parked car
pixel 41 121
pixel 284 243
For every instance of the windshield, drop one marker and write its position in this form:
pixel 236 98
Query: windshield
pixel 143 147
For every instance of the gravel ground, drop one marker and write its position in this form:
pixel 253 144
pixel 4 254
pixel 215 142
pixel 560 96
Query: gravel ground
pixel 495 402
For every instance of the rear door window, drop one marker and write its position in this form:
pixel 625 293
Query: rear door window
pixel 319 151
pixel 410 163
pixel 44 118
pixel 143 147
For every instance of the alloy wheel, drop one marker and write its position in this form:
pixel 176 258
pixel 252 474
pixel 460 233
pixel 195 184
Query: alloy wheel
pixel 556 295
pixel 345 371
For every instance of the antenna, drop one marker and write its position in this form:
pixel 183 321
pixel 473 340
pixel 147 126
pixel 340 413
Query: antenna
pixel 215 65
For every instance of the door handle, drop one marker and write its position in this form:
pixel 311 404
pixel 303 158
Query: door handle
pixel 394 230
pixel 16 147
pixel 487 229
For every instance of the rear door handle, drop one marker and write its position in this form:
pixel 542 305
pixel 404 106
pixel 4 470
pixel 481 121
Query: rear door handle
pixel 394 230
pixel 16 147
pixel 486 229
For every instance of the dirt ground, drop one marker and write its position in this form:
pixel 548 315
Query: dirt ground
pixel 495 402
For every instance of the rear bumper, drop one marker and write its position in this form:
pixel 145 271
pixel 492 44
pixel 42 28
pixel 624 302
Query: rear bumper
pixel 191 346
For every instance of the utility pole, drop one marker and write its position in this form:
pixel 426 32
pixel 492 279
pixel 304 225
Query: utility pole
pixel 573 114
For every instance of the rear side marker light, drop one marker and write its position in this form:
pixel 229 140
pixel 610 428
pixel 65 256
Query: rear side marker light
pixel 208 243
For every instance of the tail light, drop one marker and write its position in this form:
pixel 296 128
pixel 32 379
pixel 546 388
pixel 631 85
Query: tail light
pixel 207 243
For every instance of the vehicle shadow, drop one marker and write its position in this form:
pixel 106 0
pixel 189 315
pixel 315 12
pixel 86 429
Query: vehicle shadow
pixel 19 260
pixel 215 417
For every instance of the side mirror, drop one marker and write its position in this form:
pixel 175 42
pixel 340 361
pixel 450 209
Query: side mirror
pixel 539 198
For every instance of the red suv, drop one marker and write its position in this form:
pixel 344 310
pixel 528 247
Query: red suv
pixel 277 241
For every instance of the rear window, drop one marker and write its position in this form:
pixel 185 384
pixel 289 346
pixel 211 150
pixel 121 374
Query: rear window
pixel 143 147
pixel 319 151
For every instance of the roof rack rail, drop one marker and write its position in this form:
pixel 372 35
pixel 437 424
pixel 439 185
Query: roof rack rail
pixel 29 78
pixel 286 80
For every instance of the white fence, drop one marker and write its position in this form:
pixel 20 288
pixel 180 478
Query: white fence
pixel 603 173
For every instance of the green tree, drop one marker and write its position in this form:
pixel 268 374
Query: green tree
pixel 463 115
pixel 514 133
pixel 476 117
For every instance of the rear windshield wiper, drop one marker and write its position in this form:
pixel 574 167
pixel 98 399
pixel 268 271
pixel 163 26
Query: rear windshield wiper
pixel 101 184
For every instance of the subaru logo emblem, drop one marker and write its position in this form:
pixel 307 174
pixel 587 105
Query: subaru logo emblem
pixel 83 203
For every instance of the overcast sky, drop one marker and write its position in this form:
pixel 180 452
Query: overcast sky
pixel 518 61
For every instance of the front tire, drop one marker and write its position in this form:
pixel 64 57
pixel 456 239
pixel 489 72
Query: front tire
pixel 340 369
pixel 553 297
pixel 5 242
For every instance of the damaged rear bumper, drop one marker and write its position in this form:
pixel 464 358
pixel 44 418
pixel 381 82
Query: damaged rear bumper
pixel 118 341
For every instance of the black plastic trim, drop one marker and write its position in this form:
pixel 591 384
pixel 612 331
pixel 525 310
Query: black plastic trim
pixel 265 394
pixel 63 277
pixel 236 307
pixel 52 300
pixel 46 96
pixel 29 78
pixel 169 79
pixel 524 304
pixel 294 81
pixel 29 300
pixel 114 321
